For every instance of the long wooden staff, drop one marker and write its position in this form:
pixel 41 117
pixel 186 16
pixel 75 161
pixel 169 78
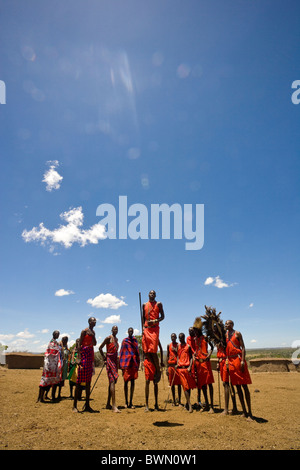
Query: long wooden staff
pixel 141 312
pixel 167 400
pixel 219 388
pixel 97 379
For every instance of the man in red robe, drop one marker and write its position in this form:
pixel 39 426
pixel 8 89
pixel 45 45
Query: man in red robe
pixel 152 315
pixel 85 361
pixel 129 361
pixel 203 368
pixel 237 365
pixel 183 368
pixel 172 354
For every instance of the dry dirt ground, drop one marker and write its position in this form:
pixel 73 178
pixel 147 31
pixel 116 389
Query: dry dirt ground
pixel 26 424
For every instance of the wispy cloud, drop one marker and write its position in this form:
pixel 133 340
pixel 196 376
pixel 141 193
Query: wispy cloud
pixel 106 301
pixel 67 234
pixel 217 282
pixel 63 292
pixel 51 177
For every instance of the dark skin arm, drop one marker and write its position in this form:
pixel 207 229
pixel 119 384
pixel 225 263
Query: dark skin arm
pixel 191 358
pixel 105 342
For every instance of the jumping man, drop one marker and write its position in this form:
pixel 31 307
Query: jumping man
pixel 153 314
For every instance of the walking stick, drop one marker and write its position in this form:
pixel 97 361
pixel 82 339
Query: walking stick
pixel 97 379
pixel 141 312
pixel 166 402
pixel 162 373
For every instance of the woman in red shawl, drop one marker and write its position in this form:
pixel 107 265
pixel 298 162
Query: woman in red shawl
pixel 111 361
pixel 52 368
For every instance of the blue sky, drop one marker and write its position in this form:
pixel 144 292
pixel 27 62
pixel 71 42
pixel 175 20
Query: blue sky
pixel 162 102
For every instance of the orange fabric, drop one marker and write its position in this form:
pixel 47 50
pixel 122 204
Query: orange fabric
pixel 204 370
pixel 172 361
pixel 150 338
pixel 221 355
pixel 191 342
pixel 149 369
pixel 151 311
pixel 173 380
pixel 183 355
pixel 173 353
pixel 130 373
pixel 186 378
pixel 234 355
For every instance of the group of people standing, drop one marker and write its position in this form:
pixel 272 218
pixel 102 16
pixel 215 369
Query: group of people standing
pixel 189 367
pixel 188 364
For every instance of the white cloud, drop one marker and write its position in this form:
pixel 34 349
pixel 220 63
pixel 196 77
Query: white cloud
pixel 112 319
pixel 253 341
pixel 217 282
pixel 5 338
pixel 220 284
pixel 51 177
pixel 67 234
pixel 251 305
pixel 62 292
pixel 106 301
pixel 25 334
pixel 208 281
